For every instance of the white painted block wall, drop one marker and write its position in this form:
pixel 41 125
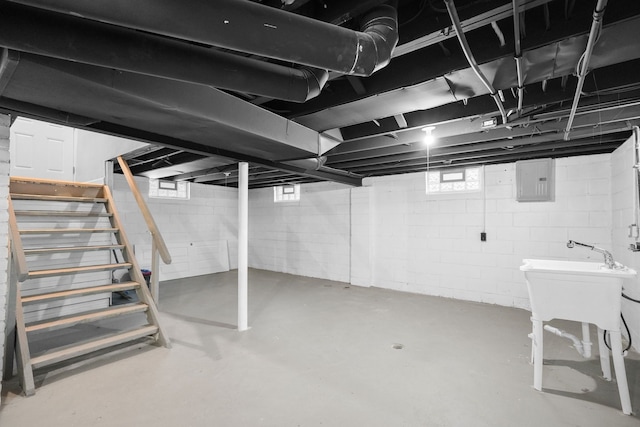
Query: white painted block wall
pixel 309 238
pixel 390 234
pixel 4 240
pixel 362 243
pixel 431 244
pixel 622 185
pixel 201 233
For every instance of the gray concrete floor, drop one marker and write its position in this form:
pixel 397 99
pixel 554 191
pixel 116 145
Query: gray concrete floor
pixel 323 353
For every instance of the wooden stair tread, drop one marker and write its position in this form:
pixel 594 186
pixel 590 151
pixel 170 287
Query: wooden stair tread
pixel 69 352
pixel 21 196
pixel 113 287
pixel 67 230
pixel 94 213
pixel 50 182
pixel 62 213
pixel 37 251
pixel 76 319
pixel 73 270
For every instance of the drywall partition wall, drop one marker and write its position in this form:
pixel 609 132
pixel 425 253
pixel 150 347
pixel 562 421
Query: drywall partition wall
pixel 201 233
pixel 431 244
pixel 624 214
pixel 310 237
pixel 93 149
pixel 4 193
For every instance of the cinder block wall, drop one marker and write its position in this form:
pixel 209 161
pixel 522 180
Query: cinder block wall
pixel 431 244
pixel 309 238
pixel 4 192
pixel 623 210
pixel 390 234
pixel 201 233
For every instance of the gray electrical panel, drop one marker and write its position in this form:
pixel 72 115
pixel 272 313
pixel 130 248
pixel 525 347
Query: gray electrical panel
pixel 535 180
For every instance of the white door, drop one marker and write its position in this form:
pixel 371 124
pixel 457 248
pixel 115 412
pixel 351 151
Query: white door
pixel 41 150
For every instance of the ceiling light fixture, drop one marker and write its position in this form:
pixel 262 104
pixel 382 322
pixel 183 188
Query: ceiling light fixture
pixel 428 136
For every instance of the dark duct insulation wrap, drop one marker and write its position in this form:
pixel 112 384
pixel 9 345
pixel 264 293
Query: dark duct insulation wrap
pixel 75 39
pixel 618 43
pixel 252 28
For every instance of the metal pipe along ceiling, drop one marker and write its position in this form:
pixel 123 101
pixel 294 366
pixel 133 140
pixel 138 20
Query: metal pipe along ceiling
pixel 453 14
pixel 518 53
pixel 253 28
pixel 75 39
pixel 583 64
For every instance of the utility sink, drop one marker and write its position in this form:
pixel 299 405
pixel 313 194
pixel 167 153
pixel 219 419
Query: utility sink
pixel 587 292
pixel 576 290
pixel 571 267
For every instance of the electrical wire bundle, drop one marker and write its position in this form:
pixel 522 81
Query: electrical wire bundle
pixel 624 322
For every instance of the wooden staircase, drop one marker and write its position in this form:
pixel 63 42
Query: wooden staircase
pixel 67 244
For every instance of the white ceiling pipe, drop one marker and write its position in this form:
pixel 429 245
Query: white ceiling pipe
pixel 453 14
pixel 518 53
pixel 583 67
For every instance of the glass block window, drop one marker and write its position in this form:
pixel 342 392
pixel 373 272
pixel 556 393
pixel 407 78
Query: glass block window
pixel 160 189
pixel 458 180
pixel 286 193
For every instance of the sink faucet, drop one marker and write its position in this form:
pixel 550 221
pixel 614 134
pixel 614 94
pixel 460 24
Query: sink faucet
pixel 608 258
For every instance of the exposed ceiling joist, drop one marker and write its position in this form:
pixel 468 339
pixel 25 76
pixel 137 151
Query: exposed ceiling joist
pixel 455 145
pixel 151 78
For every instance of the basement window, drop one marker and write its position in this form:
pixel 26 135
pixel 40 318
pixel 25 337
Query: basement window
pixel 286 193
pixel 454 180
pixel 162 189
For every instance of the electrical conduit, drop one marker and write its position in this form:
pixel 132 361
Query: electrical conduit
pixel 583 65
pixel 455 20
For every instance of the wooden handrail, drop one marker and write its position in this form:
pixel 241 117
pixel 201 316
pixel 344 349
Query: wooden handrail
pixel 16 245
pixel 135 272
pixel 151 224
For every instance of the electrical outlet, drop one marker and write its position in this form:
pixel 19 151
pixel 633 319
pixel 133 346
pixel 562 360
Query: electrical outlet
pixel 483 237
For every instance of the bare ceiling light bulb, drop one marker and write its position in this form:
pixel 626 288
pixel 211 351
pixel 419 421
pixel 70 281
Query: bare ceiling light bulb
pixel 428 136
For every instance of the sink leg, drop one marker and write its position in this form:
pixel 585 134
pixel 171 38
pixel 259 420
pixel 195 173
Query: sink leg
pixel 621 375
pixel 605 363
pixel 586 340
pixel 537 354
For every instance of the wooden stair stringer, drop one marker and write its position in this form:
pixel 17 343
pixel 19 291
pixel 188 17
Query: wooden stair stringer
pixel 136 274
